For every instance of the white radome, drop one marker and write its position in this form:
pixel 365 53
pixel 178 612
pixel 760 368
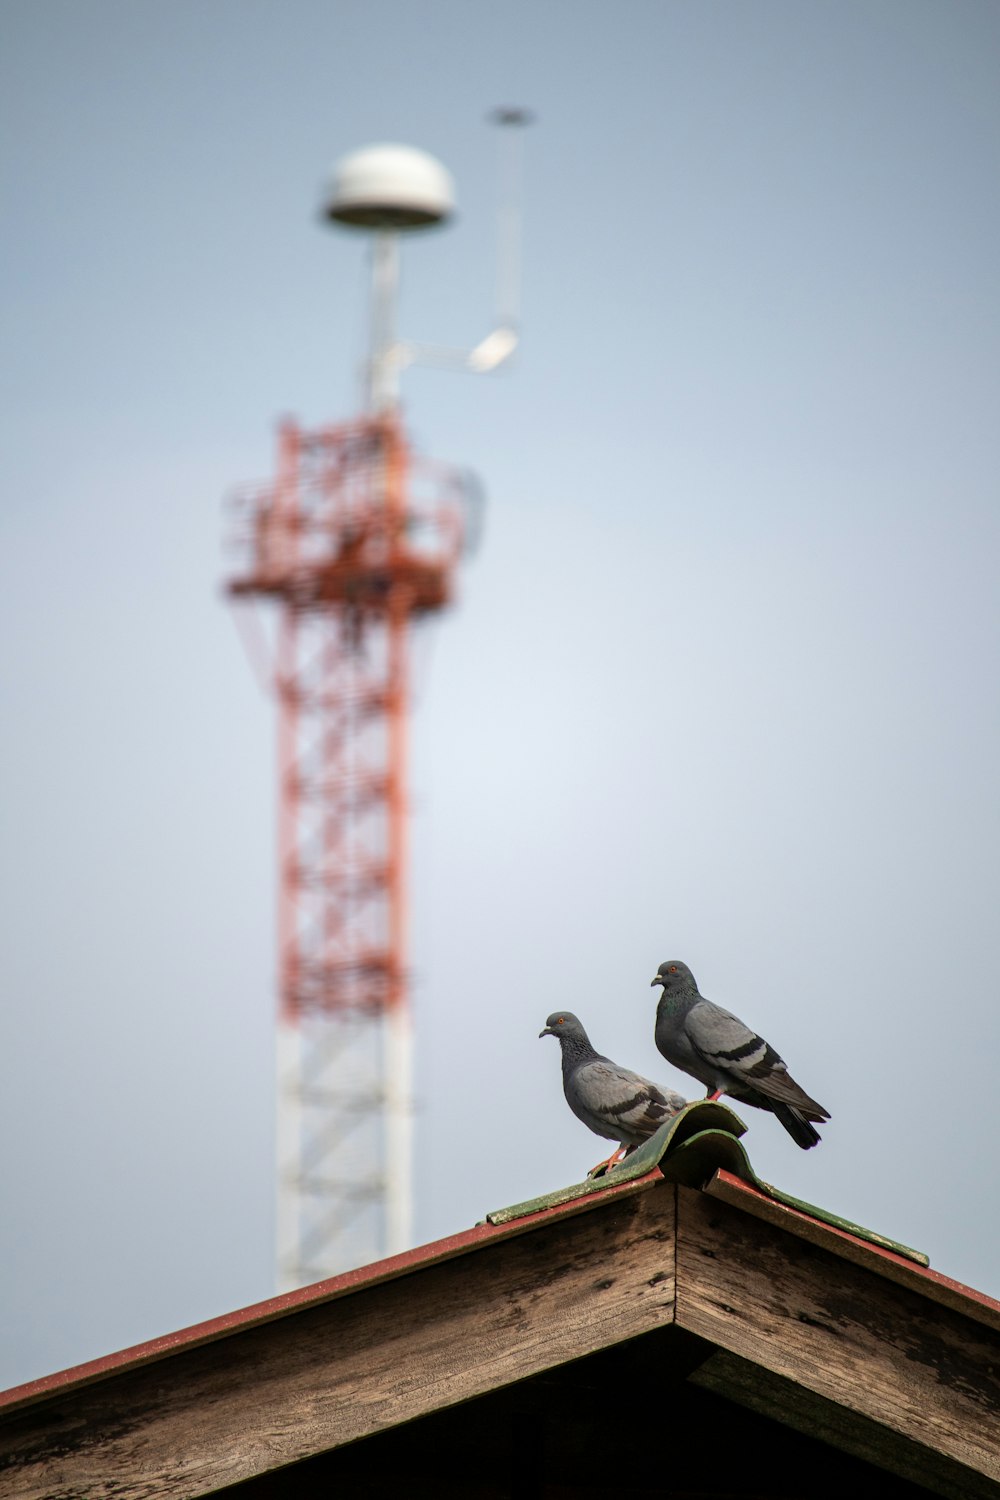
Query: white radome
pixel 389 187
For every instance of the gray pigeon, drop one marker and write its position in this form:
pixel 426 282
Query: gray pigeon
pixel 611 1101
pixel 715 1047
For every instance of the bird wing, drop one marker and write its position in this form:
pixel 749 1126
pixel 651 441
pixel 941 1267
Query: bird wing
pixel 725 1043
pixel 624 1100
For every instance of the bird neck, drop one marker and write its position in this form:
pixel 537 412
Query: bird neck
pixel 676 1002
pixel 575 1050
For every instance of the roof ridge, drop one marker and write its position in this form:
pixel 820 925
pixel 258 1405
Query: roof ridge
pixel 698 1141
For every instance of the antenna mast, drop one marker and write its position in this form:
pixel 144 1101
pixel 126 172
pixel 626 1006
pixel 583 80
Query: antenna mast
pixel 357 541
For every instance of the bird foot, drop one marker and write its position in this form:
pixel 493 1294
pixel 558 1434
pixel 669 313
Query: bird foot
pixel 612 1161
pixel 713 1095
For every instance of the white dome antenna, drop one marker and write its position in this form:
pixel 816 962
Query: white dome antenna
pixel 390 187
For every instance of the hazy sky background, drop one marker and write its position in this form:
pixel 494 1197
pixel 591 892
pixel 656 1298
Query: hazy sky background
pixel 722 684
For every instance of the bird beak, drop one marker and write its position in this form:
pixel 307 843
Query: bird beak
pixel 547 1032
pixel 656 979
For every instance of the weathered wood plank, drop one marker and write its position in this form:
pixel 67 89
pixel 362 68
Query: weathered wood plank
pixel 321 1292
pixel 964 1299
pixel 224 1411
pixel 840 1331
pixel 846 1431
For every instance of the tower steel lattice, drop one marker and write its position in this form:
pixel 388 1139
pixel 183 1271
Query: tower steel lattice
pixel 355 541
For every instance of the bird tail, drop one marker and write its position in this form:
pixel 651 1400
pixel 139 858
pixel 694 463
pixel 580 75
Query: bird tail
pixel 798 1127
pixel 780 1088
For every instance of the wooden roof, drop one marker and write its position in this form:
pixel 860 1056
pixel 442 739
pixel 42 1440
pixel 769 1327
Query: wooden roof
pixel 681 1312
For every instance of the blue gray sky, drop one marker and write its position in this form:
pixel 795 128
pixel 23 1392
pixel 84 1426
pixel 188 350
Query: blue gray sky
pixel 722 682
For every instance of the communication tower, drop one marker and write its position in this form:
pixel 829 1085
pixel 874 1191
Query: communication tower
pixel 356 540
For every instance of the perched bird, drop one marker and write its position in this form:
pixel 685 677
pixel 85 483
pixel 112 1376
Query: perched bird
pixel 611 1101
pixel 715 1047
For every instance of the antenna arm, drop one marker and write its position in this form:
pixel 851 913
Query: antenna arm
pixel 491 352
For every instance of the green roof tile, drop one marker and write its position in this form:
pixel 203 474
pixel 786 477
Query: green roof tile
pixel 701 1139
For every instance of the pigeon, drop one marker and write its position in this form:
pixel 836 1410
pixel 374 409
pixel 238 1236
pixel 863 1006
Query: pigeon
pixel 715 1047
pixel 611 1101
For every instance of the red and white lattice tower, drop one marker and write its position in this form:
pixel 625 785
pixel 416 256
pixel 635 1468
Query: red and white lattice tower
pixel 355 541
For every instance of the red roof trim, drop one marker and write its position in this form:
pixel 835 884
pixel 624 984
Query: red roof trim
pixel 942 1288
pixel 319 1292
pixel 934 1282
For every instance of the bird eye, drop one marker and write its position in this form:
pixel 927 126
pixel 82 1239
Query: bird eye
pixel 673 968
pixel 560 1020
